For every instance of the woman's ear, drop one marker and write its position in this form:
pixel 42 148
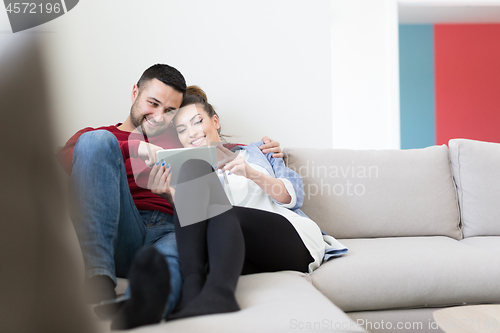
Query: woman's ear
pixel 215 119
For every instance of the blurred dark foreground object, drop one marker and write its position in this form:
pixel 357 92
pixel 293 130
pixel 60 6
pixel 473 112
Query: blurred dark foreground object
pixel 39 289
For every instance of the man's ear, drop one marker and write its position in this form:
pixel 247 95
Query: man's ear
pixel 215 119
pixel 135 93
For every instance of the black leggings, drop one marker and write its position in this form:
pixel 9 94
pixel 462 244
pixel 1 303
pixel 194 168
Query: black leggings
pixel 239 241
pixel 270 243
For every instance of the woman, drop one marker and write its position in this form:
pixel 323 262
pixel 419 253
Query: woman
pixel 261 233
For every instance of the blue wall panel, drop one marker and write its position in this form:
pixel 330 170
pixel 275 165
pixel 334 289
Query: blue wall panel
pixel 417 93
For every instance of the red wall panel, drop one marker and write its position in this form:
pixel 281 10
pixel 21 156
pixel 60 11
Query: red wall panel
pixel 467 74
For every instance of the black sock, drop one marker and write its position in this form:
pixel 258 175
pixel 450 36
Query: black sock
pixel 99 288
pixel 191 287
pixel 149 286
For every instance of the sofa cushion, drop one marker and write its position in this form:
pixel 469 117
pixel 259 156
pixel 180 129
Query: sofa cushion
pixel 378 193
pixel 476 168
pixel 406 272
pixel 486 242
pixel 270 302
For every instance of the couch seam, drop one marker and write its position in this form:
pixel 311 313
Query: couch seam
pixel 425 306
pixel 455 186
pixel 285 157
pixel 460 192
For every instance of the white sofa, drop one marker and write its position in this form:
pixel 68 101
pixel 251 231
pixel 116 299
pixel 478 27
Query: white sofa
pixel 422 227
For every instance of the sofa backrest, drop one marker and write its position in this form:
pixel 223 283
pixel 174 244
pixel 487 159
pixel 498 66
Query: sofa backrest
pixel 476 169
pixel 378 193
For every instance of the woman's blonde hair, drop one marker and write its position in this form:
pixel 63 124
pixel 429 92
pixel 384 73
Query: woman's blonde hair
pixel 196 90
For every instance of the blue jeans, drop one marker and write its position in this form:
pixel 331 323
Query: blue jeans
pixel 109 226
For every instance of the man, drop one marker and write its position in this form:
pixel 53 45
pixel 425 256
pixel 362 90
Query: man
pixel 115 215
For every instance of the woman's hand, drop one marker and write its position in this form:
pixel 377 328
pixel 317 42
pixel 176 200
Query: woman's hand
pixel 159 180
pixel 272 186
pixel 229 161
pixel 240 167
pixel 224 156
pixel 147 153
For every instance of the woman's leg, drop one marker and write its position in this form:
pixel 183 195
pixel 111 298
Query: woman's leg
pixel 271 243
pixel 264 241
pixel 217 242
pixel 226 253
pixel 192 238
pixel 192 247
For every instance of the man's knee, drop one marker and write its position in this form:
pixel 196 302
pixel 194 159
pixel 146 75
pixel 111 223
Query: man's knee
pixel 96 143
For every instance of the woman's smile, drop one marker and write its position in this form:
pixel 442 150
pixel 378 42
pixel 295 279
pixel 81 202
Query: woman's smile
pixel 198 141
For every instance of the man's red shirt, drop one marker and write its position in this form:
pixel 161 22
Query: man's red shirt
pixel 144 199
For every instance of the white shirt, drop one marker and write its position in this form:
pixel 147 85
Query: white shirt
pixel 243 192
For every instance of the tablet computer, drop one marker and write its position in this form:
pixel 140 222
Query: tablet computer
pixel 176 157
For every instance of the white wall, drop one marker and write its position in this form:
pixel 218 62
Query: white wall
pixel 265 64
pixel 320 73
pixel 365 74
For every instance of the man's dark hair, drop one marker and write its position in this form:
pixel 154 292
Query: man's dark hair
pixel 166 74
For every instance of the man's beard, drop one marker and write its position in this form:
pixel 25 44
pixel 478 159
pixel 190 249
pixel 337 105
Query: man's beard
pixel 138 121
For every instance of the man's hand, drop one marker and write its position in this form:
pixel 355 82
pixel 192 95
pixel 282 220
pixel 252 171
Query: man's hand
pixel 159 180
pixel 271 146
pixel 147 153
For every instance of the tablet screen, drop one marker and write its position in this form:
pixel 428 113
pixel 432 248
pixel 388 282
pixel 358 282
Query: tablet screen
pixel 176 157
